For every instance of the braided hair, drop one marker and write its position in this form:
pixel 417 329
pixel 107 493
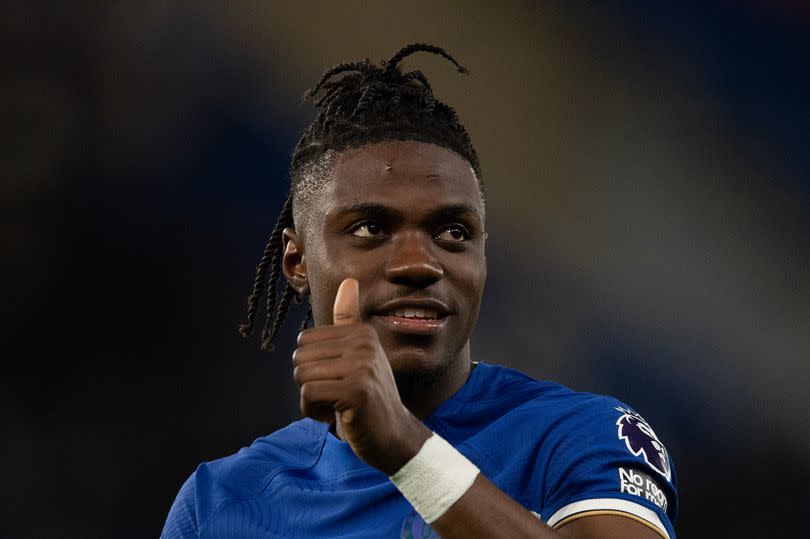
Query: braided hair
pixel 368 104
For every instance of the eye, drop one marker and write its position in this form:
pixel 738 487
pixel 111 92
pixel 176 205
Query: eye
pixel 454 233
pixel 368 229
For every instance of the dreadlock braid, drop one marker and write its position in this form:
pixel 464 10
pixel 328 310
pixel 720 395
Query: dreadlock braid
pixel 418 75
pixel 275 265
pixel 361 66
pixel 360 103
pixel 287 297
pixel 271 259
pixel 421 47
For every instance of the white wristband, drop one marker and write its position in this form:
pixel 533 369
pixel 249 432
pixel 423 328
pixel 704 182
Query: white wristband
pixel 435 478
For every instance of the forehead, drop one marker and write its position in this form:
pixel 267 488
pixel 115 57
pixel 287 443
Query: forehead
pixel 403 174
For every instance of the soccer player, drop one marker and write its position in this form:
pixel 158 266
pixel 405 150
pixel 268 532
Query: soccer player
pixel 404 435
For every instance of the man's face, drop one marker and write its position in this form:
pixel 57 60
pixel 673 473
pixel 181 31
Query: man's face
pixel 405 219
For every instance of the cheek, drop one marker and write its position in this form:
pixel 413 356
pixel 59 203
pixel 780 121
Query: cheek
pixel 472 278
pixel 327 269
pixel 323 284
pixel 481 278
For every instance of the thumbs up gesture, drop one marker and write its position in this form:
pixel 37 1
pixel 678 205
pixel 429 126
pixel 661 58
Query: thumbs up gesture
pixel 345 379
pixel 347 303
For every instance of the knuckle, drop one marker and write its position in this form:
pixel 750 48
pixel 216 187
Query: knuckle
pixel 363 342
pixel 365 346
pixel 364 369
pixel 342 316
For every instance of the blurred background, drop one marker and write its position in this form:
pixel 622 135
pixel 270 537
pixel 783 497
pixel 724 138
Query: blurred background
pixel 648 180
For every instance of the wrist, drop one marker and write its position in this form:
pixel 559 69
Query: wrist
pixel 435 479
pixel 409 441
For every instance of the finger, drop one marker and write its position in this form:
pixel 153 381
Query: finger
pixel 335 334
pixel 321 333
pixel 317 351
pixel 347 303
pixel 319 412
pixel 320 398
pixel 327 369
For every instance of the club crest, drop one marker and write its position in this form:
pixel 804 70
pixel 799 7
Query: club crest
pixel 642 440
pixel 416 528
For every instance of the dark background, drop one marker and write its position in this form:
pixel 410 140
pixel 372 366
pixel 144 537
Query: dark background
pixel 649 208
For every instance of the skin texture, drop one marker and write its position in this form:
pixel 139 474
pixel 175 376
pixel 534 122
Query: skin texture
pixel 402 222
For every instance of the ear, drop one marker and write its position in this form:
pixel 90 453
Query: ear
pixel 294 263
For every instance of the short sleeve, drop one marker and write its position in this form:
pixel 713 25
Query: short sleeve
pixel 606 459
pixel 182 519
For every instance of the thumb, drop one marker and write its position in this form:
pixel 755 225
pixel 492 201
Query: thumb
pixel 347 303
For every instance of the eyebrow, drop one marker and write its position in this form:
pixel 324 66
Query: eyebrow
pixel 370 208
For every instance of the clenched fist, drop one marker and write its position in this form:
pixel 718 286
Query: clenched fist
pixel 346 379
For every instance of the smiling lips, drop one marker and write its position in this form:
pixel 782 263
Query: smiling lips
pixel 426 319
pixel 418 325
pixel 431 314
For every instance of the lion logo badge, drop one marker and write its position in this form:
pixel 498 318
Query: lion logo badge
pixel 642 440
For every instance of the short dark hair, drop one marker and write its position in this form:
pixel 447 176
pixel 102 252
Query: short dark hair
pixel 369 104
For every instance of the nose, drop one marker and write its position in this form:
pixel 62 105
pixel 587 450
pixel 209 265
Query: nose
pixel 411 262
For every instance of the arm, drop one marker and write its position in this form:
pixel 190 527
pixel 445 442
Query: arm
pixel 469 505
pixel 486 511
pixel 346 379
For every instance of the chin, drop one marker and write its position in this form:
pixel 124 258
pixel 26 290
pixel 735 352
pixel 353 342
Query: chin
pixel 415 365
pixel 411 357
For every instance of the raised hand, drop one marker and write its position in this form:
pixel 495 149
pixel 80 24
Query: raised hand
pixel 345 378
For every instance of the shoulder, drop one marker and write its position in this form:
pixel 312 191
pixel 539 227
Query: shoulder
pixel 242 475
pixel 572 422
pixel 511 391
pixel 245 473
pixel 514 391
pixel 542 420
pixel 581 451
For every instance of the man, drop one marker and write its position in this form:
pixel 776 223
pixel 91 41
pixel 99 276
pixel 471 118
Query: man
pixel 404 435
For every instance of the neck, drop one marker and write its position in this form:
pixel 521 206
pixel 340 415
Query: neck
pixel 423 392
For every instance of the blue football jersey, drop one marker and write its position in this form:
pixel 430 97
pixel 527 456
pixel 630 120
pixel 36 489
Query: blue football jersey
pixel 561 454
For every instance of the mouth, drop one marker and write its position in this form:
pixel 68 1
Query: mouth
pixel 414 316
